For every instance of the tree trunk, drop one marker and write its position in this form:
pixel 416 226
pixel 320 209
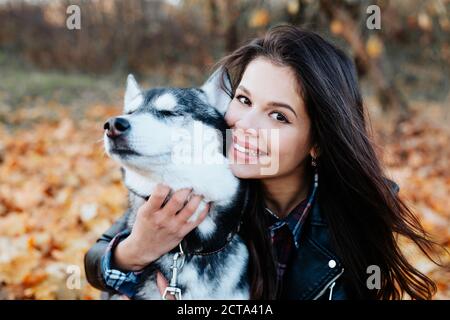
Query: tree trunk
pixel 390 97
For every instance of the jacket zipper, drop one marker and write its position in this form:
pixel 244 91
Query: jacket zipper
pixel 330 285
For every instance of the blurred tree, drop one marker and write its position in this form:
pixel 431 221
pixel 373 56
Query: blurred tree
pixel 232 16
pixel 142 35
pixel 347 18
pixel 214 22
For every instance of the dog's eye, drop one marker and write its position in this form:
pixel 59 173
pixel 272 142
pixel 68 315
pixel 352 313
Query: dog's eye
pixel 168 113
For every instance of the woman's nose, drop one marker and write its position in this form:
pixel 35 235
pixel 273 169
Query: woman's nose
pixel 248 122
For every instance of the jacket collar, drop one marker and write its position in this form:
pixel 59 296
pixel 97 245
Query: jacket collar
pixel 315 266
pixel 316 216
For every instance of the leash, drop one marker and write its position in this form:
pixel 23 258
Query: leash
pixel 172 288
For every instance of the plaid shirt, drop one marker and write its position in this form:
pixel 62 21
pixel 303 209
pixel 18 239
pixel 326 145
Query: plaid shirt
pixel 122 282
pixel 285 232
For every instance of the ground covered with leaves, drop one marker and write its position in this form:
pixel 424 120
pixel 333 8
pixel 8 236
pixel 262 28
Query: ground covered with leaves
pixel 59 192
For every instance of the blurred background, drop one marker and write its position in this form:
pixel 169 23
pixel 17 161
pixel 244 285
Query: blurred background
pixel 59 191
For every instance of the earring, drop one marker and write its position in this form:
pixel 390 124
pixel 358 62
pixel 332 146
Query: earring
pixel 313 161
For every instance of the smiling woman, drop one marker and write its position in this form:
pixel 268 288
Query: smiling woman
pixel 323 236
pixel 268 100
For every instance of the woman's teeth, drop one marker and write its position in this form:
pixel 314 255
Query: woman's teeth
pixel 247 151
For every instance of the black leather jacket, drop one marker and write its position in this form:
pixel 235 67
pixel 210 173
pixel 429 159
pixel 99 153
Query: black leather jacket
pixel 316 272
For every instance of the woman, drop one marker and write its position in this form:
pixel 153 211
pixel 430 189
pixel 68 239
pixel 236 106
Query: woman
pixel 326 216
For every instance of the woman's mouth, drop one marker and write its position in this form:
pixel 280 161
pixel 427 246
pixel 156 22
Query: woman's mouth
pixel 246 150
pixel 251 152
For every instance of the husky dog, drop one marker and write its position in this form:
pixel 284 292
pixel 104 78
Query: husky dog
pixel 147 140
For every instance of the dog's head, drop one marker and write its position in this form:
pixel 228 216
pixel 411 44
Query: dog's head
pixel 165 133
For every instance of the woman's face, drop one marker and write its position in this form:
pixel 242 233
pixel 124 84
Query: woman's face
pixel 270 126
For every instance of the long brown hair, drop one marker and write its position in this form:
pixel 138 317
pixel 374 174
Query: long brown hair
pixel 364 213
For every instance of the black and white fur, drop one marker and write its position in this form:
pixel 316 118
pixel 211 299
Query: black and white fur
pixel 146 156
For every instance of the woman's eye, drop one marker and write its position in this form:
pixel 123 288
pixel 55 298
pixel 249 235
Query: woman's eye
pixel 243 99
pixel 279 117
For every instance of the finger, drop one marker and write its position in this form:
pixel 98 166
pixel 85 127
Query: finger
pixel 158 196
pixel 189 226
pixel 176 202
pixel 162 284
pixel 188 209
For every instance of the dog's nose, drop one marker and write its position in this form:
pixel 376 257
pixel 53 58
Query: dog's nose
pixel 116 126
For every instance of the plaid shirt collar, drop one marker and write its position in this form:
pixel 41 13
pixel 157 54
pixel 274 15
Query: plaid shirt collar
pixel 296 217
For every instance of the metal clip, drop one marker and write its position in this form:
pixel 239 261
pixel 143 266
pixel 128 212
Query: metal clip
pixel 174 291
pixel 330 297
pixel 172 288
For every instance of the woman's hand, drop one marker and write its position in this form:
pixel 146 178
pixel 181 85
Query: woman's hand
pixel 157 230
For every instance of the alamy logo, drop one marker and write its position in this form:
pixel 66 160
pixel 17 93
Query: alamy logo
pixel 374 20
pixel 199 145
pixel 374 280
pixel 73 21
pixel 73 281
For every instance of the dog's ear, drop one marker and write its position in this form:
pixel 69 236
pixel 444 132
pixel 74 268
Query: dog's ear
pixel 215 94
pixel 133 95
